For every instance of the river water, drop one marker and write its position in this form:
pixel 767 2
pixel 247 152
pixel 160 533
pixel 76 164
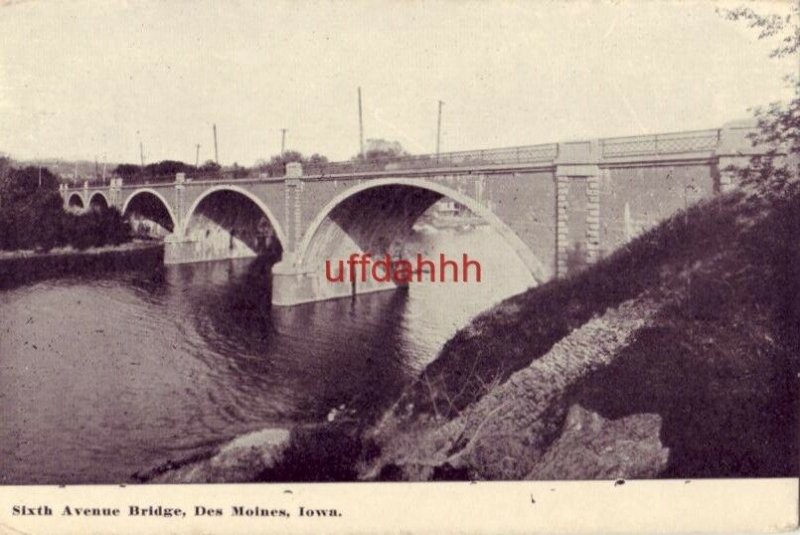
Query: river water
pixel 106 374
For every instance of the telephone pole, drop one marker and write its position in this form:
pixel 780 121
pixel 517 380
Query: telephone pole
pixel 360 125
pixel 439 130
pixel 216 154
pixel 141 153
pixel 197 155
pixel 283 140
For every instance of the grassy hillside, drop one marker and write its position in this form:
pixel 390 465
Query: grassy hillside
pixel 717 359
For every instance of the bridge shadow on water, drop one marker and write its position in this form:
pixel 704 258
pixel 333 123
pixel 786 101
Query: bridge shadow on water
pixel 314 357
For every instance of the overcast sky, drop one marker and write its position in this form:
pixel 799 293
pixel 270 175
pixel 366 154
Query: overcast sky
pixel 86 79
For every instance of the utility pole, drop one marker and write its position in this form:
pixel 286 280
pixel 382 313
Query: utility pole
pixel 439 131
pixel 360 125
pixel 105 162
pixel 141 153
pixel 283 140
pixel 96 169
pixel 216 154
pixel 197 155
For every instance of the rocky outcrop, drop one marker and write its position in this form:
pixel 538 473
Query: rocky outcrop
pixel 241 460
pixel 591 447
pixel 313 452
pixel 506 434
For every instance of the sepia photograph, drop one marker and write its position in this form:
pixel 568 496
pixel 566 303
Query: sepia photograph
pixel 363 242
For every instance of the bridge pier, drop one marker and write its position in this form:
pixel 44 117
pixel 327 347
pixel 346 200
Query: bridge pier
pixel 179 249
pixel 294 284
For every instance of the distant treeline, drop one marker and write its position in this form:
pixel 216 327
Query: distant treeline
pixel 32 215
pixel 381 153
pixel 275 167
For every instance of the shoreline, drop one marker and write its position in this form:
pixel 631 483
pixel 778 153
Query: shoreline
pixel 26 266
pixel 133 245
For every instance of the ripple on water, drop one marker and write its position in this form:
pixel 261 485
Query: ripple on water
pixel 102 376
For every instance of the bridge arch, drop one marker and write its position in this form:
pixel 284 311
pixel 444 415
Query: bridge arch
pixel 155 203
pixel 231 192
pixel 75 201
pixel 528 258
pixel 99 200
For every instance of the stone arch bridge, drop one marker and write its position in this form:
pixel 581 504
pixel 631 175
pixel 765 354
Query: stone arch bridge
pixel 545 201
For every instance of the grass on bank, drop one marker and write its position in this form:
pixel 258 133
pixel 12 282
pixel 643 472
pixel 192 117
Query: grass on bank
pixel 719 364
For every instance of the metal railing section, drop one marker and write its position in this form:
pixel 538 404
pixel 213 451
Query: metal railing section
pixel 657 144
pixel 698 141
pixel 468 158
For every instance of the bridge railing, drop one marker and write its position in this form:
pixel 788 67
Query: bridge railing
pixel 142 180
pixel 467 158
pixel 697 141
pixel 629 146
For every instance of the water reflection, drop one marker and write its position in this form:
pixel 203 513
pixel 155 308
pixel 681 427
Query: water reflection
pixel 103 376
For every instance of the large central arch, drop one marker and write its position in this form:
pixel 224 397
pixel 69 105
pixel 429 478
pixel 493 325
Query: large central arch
pixel 228 221
pixel 430 192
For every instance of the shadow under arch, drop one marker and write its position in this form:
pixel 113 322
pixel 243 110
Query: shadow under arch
pixel 146 193
pixel 75 201
pixel 190 214
pixel 98 200
pixel 414 206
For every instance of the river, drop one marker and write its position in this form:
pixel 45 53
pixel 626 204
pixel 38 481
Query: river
pixel 108 373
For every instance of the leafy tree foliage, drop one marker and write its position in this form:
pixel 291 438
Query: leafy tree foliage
pixel 237 171
pixel 166 168
pixel 126 171
pixel 32 214
pixel 133 174
pixel 210 166
pixel 276 166
pixel 381 152
pixel 775 173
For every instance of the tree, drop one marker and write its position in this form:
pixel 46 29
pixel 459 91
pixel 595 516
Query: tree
pixel 276 166
pixel 126 171
pixel 381 151
pixel 17 183
pixel 775 172
pixel 210 166
pixel 167 168
pixel 238 171
pixel 33 216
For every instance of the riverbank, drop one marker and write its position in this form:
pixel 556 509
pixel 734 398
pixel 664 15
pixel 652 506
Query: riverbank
pixel 19 267
pixel 61 251
pixel 674 357
pixel 566 382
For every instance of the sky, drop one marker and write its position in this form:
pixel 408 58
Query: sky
pixel 94 79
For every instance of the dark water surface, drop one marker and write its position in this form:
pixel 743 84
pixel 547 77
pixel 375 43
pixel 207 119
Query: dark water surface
pixel 106 374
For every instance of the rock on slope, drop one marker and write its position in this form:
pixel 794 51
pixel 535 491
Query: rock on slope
pixel 506 433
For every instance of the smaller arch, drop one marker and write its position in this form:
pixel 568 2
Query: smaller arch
pixel 236 189
pixel 75 201
pixel 159 196
pixel 99 199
